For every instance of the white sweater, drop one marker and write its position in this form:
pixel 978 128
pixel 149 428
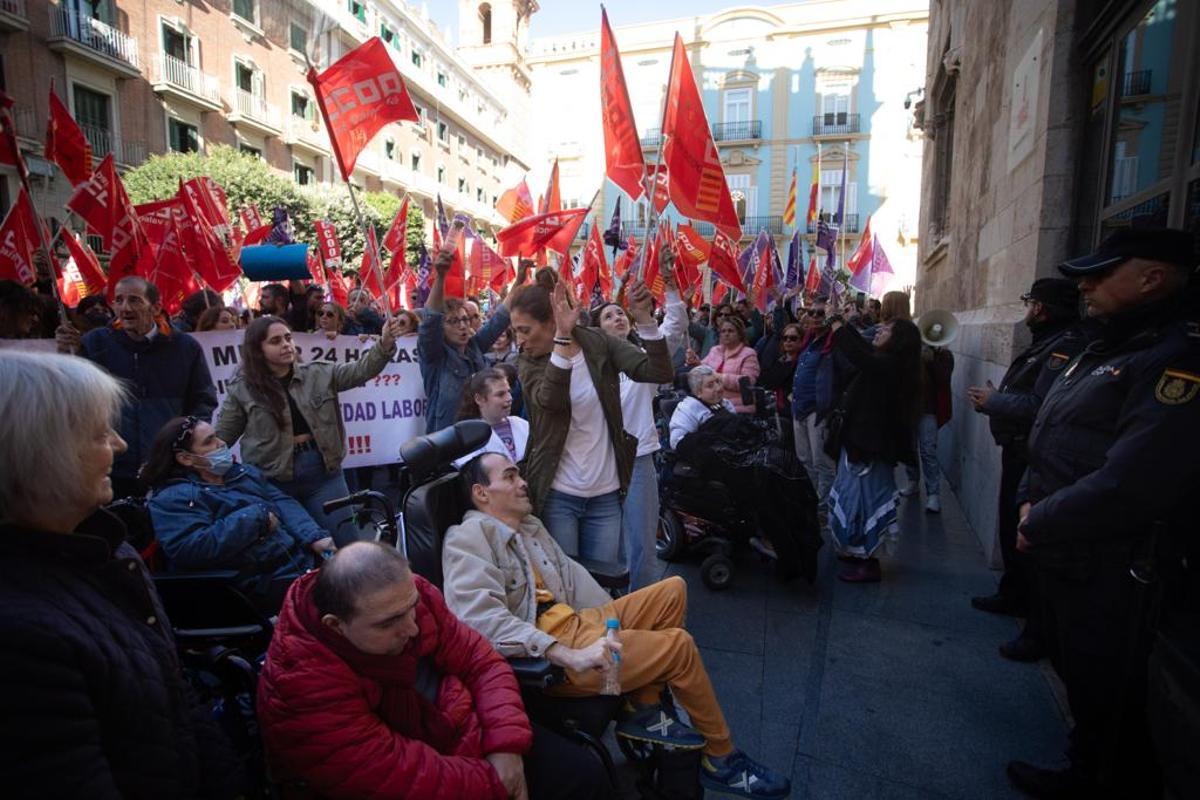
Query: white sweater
pixel 689 415
pixel 637 399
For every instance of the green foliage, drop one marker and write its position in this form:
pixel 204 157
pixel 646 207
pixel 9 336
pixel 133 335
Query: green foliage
pixel 247 179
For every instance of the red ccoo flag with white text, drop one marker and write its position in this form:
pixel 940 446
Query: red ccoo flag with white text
pixel 358 95
pixel 553 231
pixel 65 143
pixel 19 242
pixel 623 160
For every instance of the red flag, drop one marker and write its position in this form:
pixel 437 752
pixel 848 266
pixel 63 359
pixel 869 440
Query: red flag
pixel 327 244
pixel 90 275
pixel 171 269
pixel 99 199
pixel 338 288
pixel 764 276
pixel 358 95
pixel 863 253
pixel 697 184
pixel 565 272
pixel 455 284
pixel 552 200
pixel 10 150
pixel 19 242
pixel 722 289
pixel 723 260
pixel 691 245
pixel 65 143
pixel 814 190
pixel 256 229
pixel 662 188
pixel 595 268
pixel 650 273
pixel 553 230
pixel 516 203
pixel 812 283
pixel 625 261
pixel 209 198
pixel 370 268
pixel 210 257
pixel 623 161
pixel 396 239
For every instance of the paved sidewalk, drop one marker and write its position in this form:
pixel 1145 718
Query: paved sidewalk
pixel 893 690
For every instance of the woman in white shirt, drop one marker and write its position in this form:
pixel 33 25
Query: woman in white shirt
pixel 639 520
pixel 487 396
pixel 706 387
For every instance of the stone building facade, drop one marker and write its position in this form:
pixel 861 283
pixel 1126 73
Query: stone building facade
pixel 1049 124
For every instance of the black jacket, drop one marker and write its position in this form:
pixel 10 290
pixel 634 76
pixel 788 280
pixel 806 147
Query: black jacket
pixel 168 377
pixel 1013 406
pixel 94 704
pixel 873 427
pixel 1113 448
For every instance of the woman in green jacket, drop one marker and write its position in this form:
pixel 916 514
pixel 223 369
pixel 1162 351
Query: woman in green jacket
pixel 289 421
pixel 579 458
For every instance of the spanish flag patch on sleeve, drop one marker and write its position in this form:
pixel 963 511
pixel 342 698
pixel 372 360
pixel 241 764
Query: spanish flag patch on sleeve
pixel 1177 387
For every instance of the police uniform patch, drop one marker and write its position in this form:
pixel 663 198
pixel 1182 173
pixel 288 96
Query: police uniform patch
pixel 1057 361
pixel 1176 387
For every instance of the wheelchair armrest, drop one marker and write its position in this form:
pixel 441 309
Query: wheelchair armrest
pixel 191 635
pixel 228 575
pixel 608 574
pixel 536 673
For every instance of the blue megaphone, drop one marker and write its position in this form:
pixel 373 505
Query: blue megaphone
pixel 275 262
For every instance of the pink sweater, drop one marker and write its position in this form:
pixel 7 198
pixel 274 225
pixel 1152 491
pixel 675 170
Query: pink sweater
pixel 731 367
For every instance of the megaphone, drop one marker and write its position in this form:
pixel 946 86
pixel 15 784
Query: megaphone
pixel 938 327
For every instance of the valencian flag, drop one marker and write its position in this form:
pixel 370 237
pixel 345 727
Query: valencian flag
pixel 19 241
pixel 358 95
pixel 623 161
pixel 723 261
pixel 789 210
pixel 65 143
pixel 697 181
pixel 554 231
pixel 516 203
pixel 814 190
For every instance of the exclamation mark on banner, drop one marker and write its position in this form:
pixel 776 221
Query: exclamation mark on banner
pixel 367 445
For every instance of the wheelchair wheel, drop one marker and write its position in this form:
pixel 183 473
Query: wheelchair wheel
pixel 635 752
pixel 717 572
pixel 668 543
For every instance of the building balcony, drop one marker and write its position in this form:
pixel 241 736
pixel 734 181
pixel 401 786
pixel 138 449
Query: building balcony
pixel 839 124
pixel 96 41
pixel 368 161
pixel 850 225
pixel 307 135
pixel 25 120
pixel 254 113
pixel 179 81
pixel 13 16
pixel 127 153
pixel 651 138
pixel 1136 83
pixel 747 130
pixel 414 182
pixel 752 225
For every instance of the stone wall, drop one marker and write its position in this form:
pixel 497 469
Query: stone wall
pixel 1010 215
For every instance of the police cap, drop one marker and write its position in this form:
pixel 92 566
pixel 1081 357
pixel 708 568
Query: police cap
pixel 1156 244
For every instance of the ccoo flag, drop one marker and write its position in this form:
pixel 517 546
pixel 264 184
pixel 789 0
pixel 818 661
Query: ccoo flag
pixel 359 94
pixel 623 160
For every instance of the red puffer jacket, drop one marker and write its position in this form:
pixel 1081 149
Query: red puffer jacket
pixel 349 724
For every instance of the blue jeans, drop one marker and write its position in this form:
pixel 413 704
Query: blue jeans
pixel 312 486
pixel 639 520
pixel 585 527
pixel 927 436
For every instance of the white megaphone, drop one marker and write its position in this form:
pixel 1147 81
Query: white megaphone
pixel 938 327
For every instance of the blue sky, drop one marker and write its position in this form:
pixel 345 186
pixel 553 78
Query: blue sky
pixel 575 16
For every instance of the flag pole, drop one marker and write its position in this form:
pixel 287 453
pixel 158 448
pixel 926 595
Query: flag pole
pixel 358 215
pixel 652 224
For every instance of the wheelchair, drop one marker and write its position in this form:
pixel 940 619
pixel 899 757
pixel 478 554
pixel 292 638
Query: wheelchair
pixel 700 514
pixel 432 501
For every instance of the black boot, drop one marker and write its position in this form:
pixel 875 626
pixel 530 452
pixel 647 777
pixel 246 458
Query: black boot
pixel 998 604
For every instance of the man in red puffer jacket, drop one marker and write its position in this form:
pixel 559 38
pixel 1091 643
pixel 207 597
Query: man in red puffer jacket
pixel 372 688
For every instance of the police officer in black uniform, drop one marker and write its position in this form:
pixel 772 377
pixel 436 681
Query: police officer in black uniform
pixel 1052 315
pixel 1112 481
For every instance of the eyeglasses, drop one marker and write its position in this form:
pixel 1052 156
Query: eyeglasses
pixel 458 321
pixel 185 433
pixel 327 314
pixel 815 312
pixel 473 318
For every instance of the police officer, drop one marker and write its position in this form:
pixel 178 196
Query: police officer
pixel 1052 315
pixel 1112 477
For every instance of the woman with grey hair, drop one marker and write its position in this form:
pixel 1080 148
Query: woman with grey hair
pixel 706 387
pixel 87 659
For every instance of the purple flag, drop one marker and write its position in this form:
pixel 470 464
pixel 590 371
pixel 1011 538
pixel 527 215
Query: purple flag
pixel 839 220
pixel 442 223
pixel 424 275
pixel 795 263
pixel 881 268
pixel 612 236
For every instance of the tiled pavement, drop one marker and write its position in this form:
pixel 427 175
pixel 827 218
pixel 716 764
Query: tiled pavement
pixel 893 690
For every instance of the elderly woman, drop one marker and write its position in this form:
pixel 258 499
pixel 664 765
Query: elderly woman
pixel 94 701
pixel 705 400
pixel 212 513
pixel 732 359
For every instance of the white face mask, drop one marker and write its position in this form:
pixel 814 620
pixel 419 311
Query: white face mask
pixel 220 461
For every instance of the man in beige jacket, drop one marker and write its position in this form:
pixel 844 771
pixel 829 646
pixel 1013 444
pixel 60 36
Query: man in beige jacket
pixel 506 577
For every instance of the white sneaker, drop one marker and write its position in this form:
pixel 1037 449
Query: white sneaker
pixel 933 504
pixel 909 489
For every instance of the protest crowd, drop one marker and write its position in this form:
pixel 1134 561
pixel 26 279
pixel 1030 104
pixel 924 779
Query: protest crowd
pixel 629 410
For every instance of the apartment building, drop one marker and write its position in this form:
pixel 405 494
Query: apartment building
pixel 160 75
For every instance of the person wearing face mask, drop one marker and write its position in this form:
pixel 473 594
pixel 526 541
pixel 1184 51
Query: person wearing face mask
pixel 288 417
pixel 639 513
pixel 165 369
pixel 212 513
pixel 487 396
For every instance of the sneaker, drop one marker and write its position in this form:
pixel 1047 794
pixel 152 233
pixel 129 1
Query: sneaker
pixel 933 504
pixel 738 774
pixel 764 547
pixel 653 724
pixel 909 489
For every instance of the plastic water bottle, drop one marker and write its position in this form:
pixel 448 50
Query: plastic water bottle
pixel 612 673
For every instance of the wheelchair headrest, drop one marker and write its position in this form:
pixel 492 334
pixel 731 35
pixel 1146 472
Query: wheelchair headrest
pixel 429 509
pixel 427 453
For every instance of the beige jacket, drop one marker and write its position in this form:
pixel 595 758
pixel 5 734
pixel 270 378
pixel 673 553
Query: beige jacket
pixel 315 387
pixel 488 581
